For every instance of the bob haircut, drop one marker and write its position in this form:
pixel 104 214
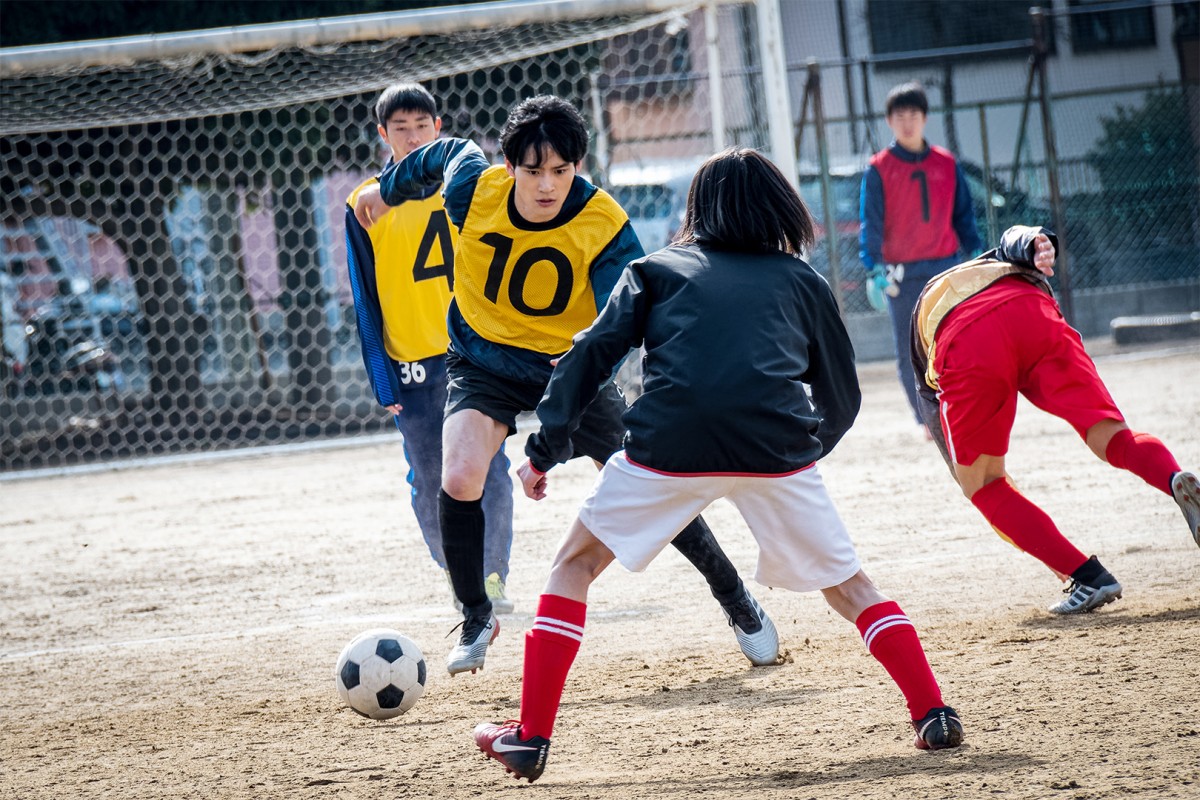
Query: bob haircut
pixel 412 97
pixel 542 124
pixel 740 201
pixel 907 95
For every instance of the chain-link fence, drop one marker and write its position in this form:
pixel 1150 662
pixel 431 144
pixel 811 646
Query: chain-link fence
pixel 1125 157
pixel 172 267
pixel 173 262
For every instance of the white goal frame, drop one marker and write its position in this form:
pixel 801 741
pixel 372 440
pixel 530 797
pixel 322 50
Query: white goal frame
pixel 16 61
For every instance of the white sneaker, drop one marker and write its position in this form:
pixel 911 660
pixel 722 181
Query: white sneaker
pixel 755 631
pixel 495 592
pixel 1082 598
pixel 469 653
pixel 1185 488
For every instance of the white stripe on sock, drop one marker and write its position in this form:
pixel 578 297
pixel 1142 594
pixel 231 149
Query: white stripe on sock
pixel 870 631
pixel 881 625
pixel 561 623
pixel 562 628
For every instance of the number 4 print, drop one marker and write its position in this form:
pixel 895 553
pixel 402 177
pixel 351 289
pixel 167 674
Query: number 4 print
pixel 438 230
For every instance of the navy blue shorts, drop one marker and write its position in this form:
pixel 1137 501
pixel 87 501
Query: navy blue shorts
pixel 601 430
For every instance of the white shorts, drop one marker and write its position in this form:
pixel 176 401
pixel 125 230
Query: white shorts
pixel 802 543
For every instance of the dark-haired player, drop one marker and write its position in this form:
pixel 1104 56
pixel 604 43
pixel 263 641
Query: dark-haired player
pixel 539 251
pixel 730 304
pixel 917 217
pixel 401 272
pixel 988 330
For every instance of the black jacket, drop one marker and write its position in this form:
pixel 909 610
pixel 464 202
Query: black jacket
pixel 731 341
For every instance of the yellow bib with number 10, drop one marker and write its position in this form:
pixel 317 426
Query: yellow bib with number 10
pixel 523 285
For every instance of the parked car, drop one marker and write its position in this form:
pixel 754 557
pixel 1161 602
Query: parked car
pixel 654 195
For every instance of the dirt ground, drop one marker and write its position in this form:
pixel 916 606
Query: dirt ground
pixel 171 631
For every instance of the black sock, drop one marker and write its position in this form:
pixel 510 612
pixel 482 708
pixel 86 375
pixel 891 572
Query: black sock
pixel 462 525
pixel 699 546
pixel 1092 573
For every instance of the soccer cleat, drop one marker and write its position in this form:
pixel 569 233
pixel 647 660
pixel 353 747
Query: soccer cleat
pixel 755 632
pixel 495 592
pixel 1082 597
pixel 471 650
pixel 524 758
pixel 1185 488
pixel 938 730
pixel 453 595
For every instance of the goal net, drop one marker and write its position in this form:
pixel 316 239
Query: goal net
pixel 172 266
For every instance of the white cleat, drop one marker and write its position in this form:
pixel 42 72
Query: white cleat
pixel 755 631
pixel 477 633
pixel 1185 488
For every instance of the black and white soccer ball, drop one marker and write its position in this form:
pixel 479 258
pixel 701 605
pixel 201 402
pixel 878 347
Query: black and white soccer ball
pixel 380 673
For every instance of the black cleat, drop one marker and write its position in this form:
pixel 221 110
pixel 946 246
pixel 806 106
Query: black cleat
pixel 938 730
pixel 524 758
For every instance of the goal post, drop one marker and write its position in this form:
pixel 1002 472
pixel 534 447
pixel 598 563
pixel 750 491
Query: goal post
pixel 177 200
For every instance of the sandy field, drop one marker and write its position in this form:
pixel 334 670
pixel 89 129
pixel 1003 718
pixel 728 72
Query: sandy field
pixel 170 631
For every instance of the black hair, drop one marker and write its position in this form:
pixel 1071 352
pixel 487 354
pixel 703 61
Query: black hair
pixel 540 124
pixel 907 95
pixel 739 200
pixel 404 97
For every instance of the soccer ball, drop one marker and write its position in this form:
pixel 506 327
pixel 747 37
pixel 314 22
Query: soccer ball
pixel 380 674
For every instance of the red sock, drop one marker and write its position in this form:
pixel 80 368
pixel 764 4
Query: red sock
pixel 1144 456
pixel 550 648
pixel 892 639
pixel 1027 526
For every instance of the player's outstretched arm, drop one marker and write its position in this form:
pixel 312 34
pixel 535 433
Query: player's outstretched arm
pixel 454 163
pixel 585 368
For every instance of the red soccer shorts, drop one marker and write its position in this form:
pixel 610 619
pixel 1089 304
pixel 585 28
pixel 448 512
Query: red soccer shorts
pixel 1023 346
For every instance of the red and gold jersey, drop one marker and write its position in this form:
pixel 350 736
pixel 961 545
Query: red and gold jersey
pixel 960 290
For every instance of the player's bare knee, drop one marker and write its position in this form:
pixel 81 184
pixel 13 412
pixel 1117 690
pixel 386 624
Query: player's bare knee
pixel 853 596
pixel 1101 434
pixel 581 556
pixel 463 482
pixel 575 570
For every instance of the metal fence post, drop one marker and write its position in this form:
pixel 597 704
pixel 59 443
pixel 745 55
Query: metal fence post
pixel 813 90
pixel 989 208
pixel 1063 262
pixel 716 91
pixel 775 87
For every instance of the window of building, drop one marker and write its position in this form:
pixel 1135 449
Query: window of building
pixel 1093 31
pixel 913 26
